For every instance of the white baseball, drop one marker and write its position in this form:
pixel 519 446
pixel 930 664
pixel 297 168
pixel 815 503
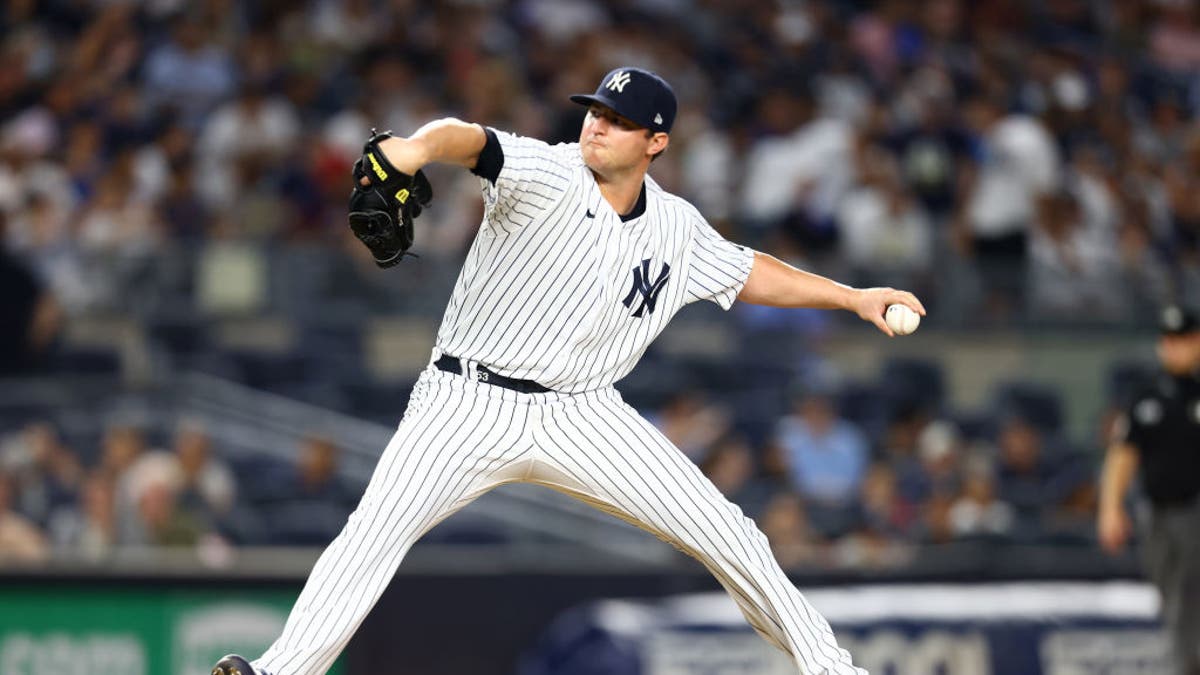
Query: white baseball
pixel 901 319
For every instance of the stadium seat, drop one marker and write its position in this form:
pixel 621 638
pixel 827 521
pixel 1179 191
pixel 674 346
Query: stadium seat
pixel 914 381
pixel 1041 405
pixel 866 405
pixel 87 361
pixel 179 337
pixel 303 523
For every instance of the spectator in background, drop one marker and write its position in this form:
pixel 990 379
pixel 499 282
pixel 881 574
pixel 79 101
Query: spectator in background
pixel 931 477
pixel 884 511
pixel 20 539
pixel 181 210
pixel 346 25
pixel 826 458
pixel 46 473
pixel 899 448
pixel 315 478
pixel 121 446
pixel 885 521
pixel 190 72
pixel 30 317
pixel 89 532
pixel 114 220
pixel 1145 277
pixel 1038 481
pixel 939 460
pixel 153 487
pixel 207 485
pixel 882 231
pixel 936 525
pixel 1074 265
pixel 786 526
pixel 693 423
pixel 42 235
pixel 1183 192
pixel 309 502
pixel 928 142
pixel 733 469
pixel 798 170
pixel 709 165
pixel 241 141
pixel 1174 39
pixel 978 512
pixel 160 521
pixel 1017 162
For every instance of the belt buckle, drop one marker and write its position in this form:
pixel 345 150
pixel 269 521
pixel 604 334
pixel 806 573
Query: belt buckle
pixel 474 371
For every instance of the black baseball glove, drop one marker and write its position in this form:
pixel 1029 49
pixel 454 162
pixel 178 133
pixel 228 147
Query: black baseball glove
pixel 382 212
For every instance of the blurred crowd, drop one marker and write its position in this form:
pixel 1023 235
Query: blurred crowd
pixel 829 487
pixel 1009 161
pixel 83 504
pixel 843 475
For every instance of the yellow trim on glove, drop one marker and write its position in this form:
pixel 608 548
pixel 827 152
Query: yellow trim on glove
pixel 375 166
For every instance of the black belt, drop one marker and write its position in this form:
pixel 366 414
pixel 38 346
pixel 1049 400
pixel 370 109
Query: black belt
pixel 452 365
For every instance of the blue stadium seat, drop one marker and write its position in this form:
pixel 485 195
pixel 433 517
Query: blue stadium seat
pixel 975 425
pixel 1039 404
pixel 270 370
pixel 866 405
pixel 86 361
pixel 303 523
pixel 914 382
pixel 179 337
pixel 464 530
pixel 376 401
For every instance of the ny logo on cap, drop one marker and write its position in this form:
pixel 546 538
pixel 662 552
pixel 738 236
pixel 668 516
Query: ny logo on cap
pixel 618 81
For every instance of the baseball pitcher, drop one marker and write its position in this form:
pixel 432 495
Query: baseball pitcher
pixel 579 263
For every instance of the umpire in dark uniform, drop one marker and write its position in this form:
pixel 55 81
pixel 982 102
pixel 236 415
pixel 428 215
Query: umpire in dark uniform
pixel 1160 434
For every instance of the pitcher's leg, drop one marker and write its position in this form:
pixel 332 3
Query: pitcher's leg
pixel 447 450
pixel 615 459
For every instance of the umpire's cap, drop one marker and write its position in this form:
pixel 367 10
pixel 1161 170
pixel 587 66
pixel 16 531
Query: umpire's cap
pixel 1178 320
pixel 637 95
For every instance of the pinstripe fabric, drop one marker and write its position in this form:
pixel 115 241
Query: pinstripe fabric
pixel 460 438
pixel 560 289
pixel 454 443
pixel 603 452
pixel 540 298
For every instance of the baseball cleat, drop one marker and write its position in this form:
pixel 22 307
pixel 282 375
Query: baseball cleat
pixel 232 664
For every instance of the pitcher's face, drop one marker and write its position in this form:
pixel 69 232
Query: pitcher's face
pixel 611 143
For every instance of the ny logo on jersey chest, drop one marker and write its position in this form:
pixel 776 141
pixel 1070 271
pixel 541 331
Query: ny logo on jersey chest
pixel 647 290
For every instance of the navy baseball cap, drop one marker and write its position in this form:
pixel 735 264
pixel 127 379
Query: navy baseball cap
pixel 637 95
pixel 1177 320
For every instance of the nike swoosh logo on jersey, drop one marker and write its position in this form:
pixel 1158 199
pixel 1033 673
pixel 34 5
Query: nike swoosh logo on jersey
pixel 589 213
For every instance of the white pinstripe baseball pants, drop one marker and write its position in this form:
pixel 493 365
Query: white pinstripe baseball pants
pixel 460 438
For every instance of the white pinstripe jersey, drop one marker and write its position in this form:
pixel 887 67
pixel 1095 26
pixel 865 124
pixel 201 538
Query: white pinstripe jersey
pixel 560 289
